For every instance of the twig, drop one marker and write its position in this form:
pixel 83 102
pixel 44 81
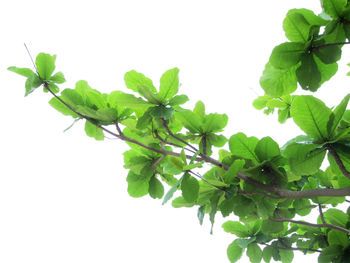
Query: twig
pixel 321 214
pixel 330 45
pixel 170 143
pixel 291 248
pixel 338 161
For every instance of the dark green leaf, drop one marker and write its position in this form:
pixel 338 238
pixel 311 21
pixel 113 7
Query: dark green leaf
pixel 270 227
pixel 286 255
pixel 308 74
pixel 328 54
pixel 265 208
pixel 161 111
pixel 45 64
pixel 336 237
pixel 234 251
pixel 149 95
pixel 334 8
pixel 311 115
pixel 243 243
pixel 338 114
pixel 189 188
pixel 329 253
pixel 336 217
pixel 267 254
pixel 278 82
pixel 200 214
pixel 254 253
pixel 156 189
pixel 286 55
pixel 59 106
pixel 138 184
pixel 217 140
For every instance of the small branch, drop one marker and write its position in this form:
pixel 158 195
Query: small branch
pixel 330 45
pixel 321 214
pixel 170 143
pixel 257 193
pixel 338 161
pixel 291 248
pixel 118 128
pixel 311 224
pixel 202 178
pixel 175 137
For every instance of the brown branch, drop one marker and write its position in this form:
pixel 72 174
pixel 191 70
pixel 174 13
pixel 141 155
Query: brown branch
pixel 338 161
pixel 321 214
pixel 311 224
pixel 170 143
pixel 329 45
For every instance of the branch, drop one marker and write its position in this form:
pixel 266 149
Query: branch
pixel 330 45
pixel 170 143
pixel 346 231
pixel 338 161
pixel 291 248
pixel 321 214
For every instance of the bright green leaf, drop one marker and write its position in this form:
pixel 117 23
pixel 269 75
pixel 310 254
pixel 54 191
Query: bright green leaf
pixel 138 185
pixel 45 64
pixel 243 146
pixel 128 100
pixel 336 237
pixel 265 208
pixel 93 131
pixel 270 227
pixel 214 122
pixel 169 84
pixel 59 106
pixel 58 78
pixel 178 100
pixel 267 254
pixel 26 72
pixel 149 95
pixel 267 148
pixel 134 79
pixel 236 228
pixel 329 253
pixel 278 82
pixel 336 217
pixel 32 83
pixel 338 114
pixel 334 8
pixel 311 115
pixel 286 255
pixel 156 188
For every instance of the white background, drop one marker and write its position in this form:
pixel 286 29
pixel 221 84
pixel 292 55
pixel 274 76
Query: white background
pixel 63 196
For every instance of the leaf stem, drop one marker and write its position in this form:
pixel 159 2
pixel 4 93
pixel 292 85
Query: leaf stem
pixel 338 161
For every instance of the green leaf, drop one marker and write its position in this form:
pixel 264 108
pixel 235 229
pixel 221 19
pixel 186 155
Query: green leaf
pixel 267 254
pixel 266 149
pixel 45 64
pixel 243 243
pixel 338 114
pixel 58 78
pixel 234 251
pixel 189 120
pixel 149 95
pixel 336 217
pixel 329 253
pixel 156 188
pixel 108 114
pixel 199 109
pixel 328 55
pixel 26 72
pixel 286 255
pixel 265 208
pixel 334 8
pixel 217 140
pixel 304 159
pixel 170 193
pixel 302 206
pixel 311 115
pixel 134 79
pixel 59 106
pixel 283 115
pixel 261 102
pixel 72 97
pixel 127 100
pixel 327 70
pixel 254 253
pixel 138 185
pixel 178 100
pixel 189 188
pixel 308 74
pixel 214 122
pixel 93 131
pixel 243 146
pixel 236 228
pixel 270 227
pixel 161 111
pixel 201 214
pixel 336 237
pixel 286 55
pixel 96 98
pixel 278 82
pixel 181 202
pixel 169 84
pixel 296 27
pixel 32 83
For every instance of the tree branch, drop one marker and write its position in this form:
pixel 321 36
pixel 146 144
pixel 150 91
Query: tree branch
pixel 291 248
pixel 330 45
pixel 311 224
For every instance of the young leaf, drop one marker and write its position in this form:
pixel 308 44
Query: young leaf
pixel 45 64
pixel 169 84
pixel 134 79
pixel 127 100
pixel 93 131
pixel 234 251
pixel 26 72
pixel 58 78
pixel 178 100
pixel 338 114
pixel 32 83
pixel 149 95
pixel 296 27
pixel 286 55
pixel 189 188
pixel 311 115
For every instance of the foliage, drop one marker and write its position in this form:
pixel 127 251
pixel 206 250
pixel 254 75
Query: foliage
pixel 266 186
